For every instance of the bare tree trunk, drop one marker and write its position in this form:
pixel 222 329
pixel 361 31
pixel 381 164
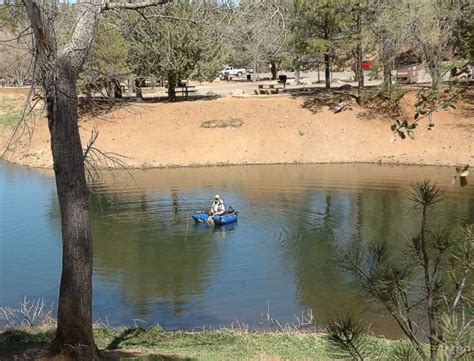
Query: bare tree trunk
pixel 432 323
pixel 327 70
pixel 110 89
pixel 118 94
pixel 359 55
pixel 297 76
pixel 387 75
pixel 274 70
pixel 75 293
pixel 138 89
pixel 171 87
pixel 255 70
pixel 435 76
pixel 57 74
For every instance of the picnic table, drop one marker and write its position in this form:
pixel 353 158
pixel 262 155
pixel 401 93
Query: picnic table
pixel 185 89
pixel 269 89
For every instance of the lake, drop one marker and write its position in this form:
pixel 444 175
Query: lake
pixel 152 264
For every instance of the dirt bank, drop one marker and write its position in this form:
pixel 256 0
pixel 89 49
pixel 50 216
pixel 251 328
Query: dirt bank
pixel 272 130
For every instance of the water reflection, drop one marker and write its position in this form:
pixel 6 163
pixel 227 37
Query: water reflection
pixel 136 248
pixel 153 263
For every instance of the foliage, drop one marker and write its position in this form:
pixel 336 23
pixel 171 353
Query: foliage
pixel 176 42
pixel 429 276
pixel 257 31
pixel 428 102
pixel 318 30
pixel 428 27
pixel 348 336
pixel 15 60
pixel 107 61
pixel 10 110
pixel 8 20
pixel 458 340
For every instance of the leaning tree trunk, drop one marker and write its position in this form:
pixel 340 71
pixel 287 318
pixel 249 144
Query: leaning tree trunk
pixel 58 73
pixel 75 293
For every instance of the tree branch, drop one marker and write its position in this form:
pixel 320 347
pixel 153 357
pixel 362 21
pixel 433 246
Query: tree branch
pixel 132 6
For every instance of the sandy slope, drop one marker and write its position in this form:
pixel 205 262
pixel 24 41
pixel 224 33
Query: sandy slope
pixel 275 130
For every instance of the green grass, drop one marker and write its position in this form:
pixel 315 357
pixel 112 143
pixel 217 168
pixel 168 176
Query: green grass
pixel 10 111
pixel 228 123
pixel 156 344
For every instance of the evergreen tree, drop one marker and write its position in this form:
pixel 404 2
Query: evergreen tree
pixel 319 30
pixel 177 42
pixel 107 62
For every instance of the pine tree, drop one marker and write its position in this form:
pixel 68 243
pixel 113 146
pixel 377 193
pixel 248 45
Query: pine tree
pixel 319 30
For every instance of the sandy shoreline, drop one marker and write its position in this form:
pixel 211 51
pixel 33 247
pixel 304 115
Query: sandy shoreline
pixel 273 131
pixel 223 165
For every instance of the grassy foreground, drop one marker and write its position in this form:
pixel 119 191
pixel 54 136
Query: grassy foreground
pixel 156 344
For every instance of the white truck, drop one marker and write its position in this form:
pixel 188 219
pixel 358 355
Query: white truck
pixel 230 71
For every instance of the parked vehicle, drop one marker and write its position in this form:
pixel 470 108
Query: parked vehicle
pixel 231 71
pixel 365 65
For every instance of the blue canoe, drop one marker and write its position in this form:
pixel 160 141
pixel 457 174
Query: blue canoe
pixel 201 217
pixel 225 219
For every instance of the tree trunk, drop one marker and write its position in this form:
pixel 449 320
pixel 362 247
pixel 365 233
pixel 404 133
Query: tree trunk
pixel 117 89
pixel 274 70
pixel 297 76
pixel 74 329
pixel 387 76
pixel 359 55
pixel 435 76
pixel 171 87
pixel 138 89
pixel 255 70
pixel 327 70
pixel 57 74
pixel 431 307
pixel 110 89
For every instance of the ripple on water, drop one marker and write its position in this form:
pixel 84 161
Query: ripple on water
pixel 152 262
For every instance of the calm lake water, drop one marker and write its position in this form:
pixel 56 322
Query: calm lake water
pixel 153 264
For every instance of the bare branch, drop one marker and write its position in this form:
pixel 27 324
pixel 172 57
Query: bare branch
pixel 132 6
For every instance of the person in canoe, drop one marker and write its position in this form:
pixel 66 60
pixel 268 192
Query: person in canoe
pixel 217 207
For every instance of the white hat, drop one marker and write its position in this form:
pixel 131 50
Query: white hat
pixel 217 196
